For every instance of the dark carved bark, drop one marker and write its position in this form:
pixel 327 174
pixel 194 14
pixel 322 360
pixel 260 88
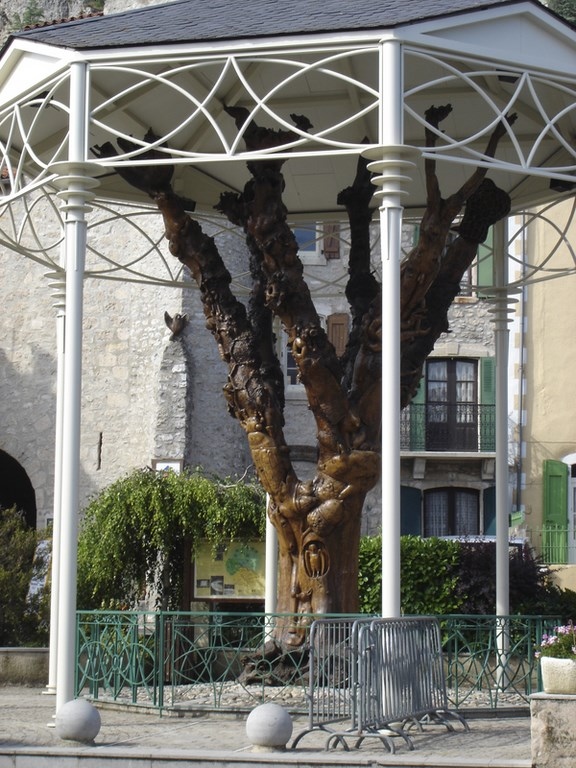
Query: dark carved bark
pixel 318 521
pixel 429 283
pixel 485 207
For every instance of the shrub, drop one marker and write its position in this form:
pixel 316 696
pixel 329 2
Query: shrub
pixel 428 575
pixel 23 614
pixel 444 576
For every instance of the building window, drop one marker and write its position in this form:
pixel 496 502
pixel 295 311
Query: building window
pixel 452 405
pixel 451 512
pixel 454 408
pixel 317 242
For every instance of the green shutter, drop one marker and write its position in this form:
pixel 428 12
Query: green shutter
pixel 418 418
pixel 410 511
pixel 489 511
pixel 555 512
pixel 485 266
pixel 487 404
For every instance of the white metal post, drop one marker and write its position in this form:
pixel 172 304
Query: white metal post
pixel 390 161
pixel 271 574
pixel 59 285
pixel 75 184
pixel 501 338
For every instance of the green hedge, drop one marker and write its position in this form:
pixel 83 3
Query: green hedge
pixel 440 576
pixel 429 575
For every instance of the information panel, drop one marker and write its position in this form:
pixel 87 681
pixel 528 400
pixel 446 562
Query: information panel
pixel 233 572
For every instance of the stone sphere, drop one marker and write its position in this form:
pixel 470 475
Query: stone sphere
pixel 269 726
pixel 78 720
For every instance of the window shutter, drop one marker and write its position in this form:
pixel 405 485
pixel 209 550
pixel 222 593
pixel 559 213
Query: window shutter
pixel 555 512
pixel 487 403
pixel 418 418
pixel 331 245
pixel 489 511
pixel 410 511
pixel 337 330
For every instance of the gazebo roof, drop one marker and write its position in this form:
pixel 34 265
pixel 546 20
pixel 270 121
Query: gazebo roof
pixel 193 21
pixel 175 68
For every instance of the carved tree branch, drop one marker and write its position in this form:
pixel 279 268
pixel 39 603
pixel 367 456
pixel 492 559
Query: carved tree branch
pixel 362 288
pixel 261 212
pixel 420 268
pixel 485 207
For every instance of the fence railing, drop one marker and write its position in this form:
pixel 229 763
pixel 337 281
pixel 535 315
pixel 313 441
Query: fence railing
pixel 206 661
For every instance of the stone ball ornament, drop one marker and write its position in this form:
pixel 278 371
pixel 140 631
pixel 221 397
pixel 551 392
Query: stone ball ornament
pixel 269 727
pixel 78 720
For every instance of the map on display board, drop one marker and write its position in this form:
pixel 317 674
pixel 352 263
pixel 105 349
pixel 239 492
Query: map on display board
pixel 233 572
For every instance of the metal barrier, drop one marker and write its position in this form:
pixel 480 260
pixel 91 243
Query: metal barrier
pixel 378 678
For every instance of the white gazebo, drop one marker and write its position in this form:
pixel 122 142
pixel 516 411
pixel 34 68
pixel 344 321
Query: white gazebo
pixel 363 73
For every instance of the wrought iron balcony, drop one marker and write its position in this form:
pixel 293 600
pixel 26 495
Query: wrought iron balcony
pixel 458 427
pixel 556 543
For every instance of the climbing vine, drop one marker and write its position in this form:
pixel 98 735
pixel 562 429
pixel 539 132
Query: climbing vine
pixel 138 533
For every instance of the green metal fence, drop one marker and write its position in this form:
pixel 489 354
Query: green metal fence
pixel 206 661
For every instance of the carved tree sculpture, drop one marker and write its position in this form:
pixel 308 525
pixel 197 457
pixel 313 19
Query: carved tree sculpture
pixel 318 521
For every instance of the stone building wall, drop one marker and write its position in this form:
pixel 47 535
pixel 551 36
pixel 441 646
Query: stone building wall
pixel 144 396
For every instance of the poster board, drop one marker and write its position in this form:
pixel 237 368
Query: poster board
pixel 235 572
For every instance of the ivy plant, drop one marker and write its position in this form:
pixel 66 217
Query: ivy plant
pixel 137 534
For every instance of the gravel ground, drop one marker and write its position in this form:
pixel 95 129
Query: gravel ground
pixel 231 696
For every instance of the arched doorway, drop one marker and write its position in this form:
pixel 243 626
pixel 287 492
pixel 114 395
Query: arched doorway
pixel 16 488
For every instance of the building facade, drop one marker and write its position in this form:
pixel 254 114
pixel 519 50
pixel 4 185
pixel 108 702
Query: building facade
pixel 543 404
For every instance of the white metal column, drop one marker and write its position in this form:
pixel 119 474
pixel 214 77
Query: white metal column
pixel 391 163
pixel 271 577
pixel 501 311
pixel 75 184
pixel 501 339
pixel 58 284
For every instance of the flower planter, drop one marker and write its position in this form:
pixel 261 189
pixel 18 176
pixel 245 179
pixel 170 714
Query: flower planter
pixel 558 675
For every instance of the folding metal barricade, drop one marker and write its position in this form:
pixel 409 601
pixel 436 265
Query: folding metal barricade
pixel 333 671
pixel 404 681
pixel 376 678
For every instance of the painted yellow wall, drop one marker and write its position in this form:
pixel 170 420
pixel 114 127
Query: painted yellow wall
pixel 565 576
pixel 550 364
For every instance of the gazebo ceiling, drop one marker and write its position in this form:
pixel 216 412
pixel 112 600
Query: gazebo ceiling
pixel 174 68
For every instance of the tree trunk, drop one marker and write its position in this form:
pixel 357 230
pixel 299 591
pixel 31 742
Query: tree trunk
pixel 318 521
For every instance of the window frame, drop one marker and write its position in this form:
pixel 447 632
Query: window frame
pixel 453 493
pixel 312 249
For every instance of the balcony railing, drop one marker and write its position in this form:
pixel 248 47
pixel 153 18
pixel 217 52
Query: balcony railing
pixel 459 427
pixel 556 543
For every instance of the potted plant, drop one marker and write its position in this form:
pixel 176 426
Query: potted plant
pixel 557 654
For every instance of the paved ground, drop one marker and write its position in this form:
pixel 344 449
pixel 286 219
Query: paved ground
pixel 25 715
